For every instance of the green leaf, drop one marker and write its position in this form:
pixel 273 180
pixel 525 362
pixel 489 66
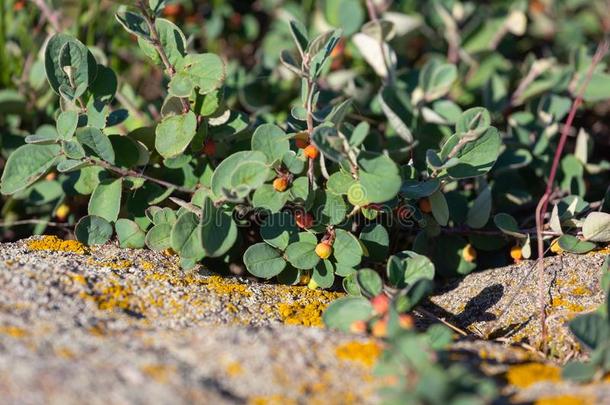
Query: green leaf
pixel 67 122
pixel 186 236
pixel 330 208
pixel 26 165
pixel 479 213
pixel 476 157
pixel 279 229
pixel 158 237
pixel 591 329
pixel 418 267
pixel 474 121
pixel 572 244
pixel 369 281
pixel 77 56
pixel 95 140
pixel 133 22
pixel 172 40
pixel 507 224
pixel 339 182
pixel 263 261
pixel 271 140
pixel 376 241
pixel 415 190
pixel 219 230
pixel 578 371
pixel 175 133
pixel 206 71
pixel 436 79
pixel 596 227
pixel 323 274
pixel 440 209
pixel 302 255
pixel 93 230
pixel 250 175
pixel 180 85
pixel 105 201
pixel 397 108
pixel 347 249
pixel 73 150
pixel 342 312
pixel 379 177
pixel 327 140
pixel 221 179
pixel 129 234
pixel 268 198
pixel 299 34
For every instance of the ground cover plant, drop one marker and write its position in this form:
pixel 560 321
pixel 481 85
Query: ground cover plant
pixel 371 147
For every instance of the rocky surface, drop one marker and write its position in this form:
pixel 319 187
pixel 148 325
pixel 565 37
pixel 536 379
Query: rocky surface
pixel 129 326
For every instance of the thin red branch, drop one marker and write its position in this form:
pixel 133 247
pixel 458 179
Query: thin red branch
pixel 542 206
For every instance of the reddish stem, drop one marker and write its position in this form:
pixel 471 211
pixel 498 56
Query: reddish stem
pixel 542 206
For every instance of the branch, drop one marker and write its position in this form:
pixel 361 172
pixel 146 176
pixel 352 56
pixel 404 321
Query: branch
pixel 34 222
pixel 541 209
pixel 133 173
pixel 156 42
pixel 50 15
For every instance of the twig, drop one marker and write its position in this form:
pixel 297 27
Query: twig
pixel 601 51
pixel 443 321
pixel 34 222
pixel 50 15
pixel 133 173
pixel 156 42
pixel 309 108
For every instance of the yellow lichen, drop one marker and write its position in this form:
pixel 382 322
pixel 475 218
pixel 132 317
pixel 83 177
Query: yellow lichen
pixel 365 353
pixel 564 400
pixel 581 290
pixel 234 369
pixel 112 295
pixel 158 372
pixel 224 286
pixel 271 400
pixel 146 265
pixel 53 243
pixel 113 264
pixel 570 306
pixel 13 331
pixel 525 375
pixel 307 314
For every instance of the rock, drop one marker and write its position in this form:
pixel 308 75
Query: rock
pixel 128 326
pixel 502 304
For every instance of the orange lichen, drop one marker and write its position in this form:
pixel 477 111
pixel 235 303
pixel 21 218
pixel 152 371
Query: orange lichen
pixel 234 369
pixel 13 331
pixel 54 244
pixel 581 290
pixel 365 353
pixel 564 400
pixel 525 375
pixel 158 372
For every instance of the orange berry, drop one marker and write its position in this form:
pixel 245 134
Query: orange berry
pixel 381 303
pixel 303 219
pixel 280 184
pixel 172 10
pixel 406 321
pixel 19 5
pixel 425 206
pixel 311 152
pixel 469 253
pixel 324 250
pixel 209 147
pixel 61 213
pixel 380 328
pixel 51 176
pixel 302 140
pixel 516 253
pixel 358 327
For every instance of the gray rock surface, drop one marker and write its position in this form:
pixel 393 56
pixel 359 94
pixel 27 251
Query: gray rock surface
pixel 130 327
